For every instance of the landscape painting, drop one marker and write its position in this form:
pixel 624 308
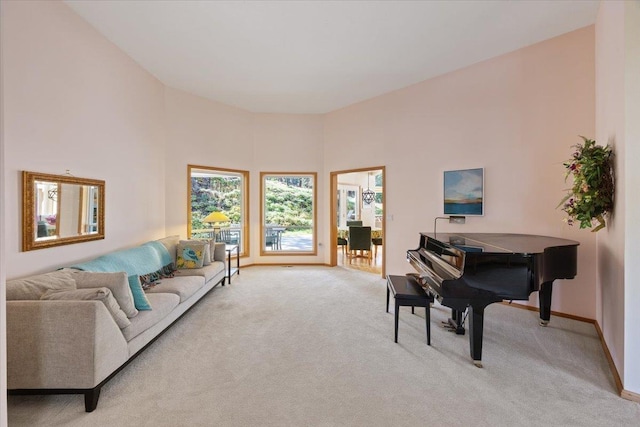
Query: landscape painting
pixel 464 192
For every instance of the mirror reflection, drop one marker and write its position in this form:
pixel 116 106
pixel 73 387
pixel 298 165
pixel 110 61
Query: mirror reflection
pixel 61 209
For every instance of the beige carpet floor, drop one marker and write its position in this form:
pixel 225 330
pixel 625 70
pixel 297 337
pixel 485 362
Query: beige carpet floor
pixel 313 346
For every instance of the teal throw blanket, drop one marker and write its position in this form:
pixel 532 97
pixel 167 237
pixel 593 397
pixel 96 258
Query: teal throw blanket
pixel 147 258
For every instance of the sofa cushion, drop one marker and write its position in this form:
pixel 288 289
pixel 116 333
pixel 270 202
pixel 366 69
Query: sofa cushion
pixel 139 298
pixel 163 304
pixel 170 243
pixel 97 294
pixel 184 286
pixel 117 284
pixel 32 288
pixel 220 252
pixel 208 272
pixel 190 254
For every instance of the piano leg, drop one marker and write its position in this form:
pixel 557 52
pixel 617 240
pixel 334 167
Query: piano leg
pixel 544 296
pixel 476 323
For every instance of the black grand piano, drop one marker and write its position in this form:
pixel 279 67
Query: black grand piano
pixel 472 270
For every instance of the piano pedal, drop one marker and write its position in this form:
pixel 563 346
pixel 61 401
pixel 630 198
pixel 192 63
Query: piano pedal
pixel 448 326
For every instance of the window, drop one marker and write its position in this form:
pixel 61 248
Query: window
pixel 288 213
pixel 218 205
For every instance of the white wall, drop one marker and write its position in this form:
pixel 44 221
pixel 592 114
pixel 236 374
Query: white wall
pixel 617 112
pixel 632 197
pixel 206 133
pixel 288 143
pixel 3 290
pixel 74 101
pixel 632 182
pixel 516 115
pixel 610 118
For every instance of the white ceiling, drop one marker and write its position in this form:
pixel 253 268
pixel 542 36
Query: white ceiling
pixel 319 56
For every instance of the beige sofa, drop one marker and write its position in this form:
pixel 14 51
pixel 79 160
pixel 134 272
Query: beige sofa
pixel 71 331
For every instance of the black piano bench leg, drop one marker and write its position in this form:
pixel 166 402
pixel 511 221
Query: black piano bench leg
pixel 395 314
pixel 387 299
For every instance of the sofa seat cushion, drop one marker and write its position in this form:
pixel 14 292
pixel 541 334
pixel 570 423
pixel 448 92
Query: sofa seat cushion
pixel 184 287
pixel 208 272
pixel 162 305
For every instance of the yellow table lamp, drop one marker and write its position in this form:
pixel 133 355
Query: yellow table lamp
pixel 216 218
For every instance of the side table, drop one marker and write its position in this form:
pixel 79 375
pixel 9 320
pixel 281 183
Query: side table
pixel 236 270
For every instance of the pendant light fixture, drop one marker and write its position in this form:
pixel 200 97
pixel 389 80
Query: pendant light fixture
pixel 368 195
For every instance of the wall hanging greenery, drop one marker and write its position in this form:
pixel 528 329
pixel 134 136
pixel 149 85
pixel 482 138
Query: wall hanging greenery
pixel 591 196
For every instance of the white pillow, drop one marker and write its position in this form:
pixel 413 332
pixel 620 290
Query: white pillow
pixel 32 288
pixel 97 294
pixel 117 283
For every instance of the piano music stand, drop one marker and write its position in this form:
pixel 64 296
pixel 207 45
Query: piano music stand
pixel 407 292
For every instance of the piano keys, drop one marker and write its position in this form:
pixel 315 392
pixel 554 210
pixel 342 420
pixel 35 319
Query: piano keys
pixel 469 271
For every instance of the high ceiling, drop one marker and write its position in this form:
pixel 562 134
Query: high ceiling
pixel 319 56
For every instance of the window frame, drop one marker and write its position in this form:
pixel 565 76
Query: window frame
pixel 314 237
pixel 244 249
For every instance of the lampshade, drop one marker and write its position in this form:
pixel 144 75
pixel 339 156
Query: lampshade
pixel 216 217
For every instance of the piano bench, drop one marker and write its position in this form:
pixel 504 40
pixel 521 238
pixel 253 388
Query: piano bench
pixel 408 292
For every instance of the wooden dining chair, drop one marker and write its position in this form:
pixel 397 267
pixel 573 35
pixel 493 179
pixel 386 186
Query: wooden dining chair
pixel 376 241
pixel 343 242
pixel 360 240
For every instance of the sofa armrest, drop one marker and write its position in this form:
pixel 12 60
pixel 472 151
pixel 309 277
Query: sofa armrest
pixel 220 254
pixel 61 344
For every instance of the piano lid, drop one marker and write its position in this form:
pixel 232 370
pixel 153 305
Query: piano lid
pixel 501 243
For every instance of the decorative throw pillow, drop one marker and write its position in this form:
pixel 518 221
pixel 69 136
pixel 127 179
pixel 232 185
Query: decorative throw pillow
pixel 97 294
pixel 208 249
pixel 170 244
pixel 219 253
pixel 32 288
pixel 139 298
pixel 190 254
pixel 117 284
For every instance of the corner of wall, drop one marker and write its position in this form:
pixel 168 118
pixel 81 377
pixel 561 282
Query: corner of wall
pixel 3 311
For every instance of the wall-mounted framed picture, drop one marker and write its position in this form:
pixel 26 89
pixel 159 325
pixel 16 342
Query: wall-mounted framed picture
pixel 464 192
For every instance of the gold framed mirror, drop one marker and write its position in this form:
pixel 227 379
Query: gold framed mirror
pixel 60 210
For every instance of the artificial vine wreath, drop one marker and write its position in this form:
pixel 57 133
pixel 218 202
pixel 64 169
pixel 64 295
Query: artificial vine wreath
pixel 591 196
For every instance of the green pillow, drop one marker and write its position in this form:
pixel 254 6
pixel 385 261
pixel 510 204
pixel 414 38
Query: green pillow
pixel 139 298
